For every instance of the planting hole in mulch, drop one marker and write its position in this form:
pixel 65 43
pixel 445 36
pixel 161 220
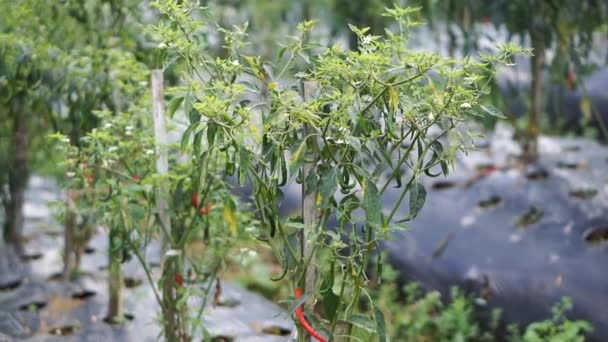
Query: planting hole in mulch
pixel 490 202
pixel 484 166
pixel 84 294
pixel 103 268
pixel 31 256
pixel 127 317
pixel 34 306
pixel 537 174
pixel 584 194
pixel 11 285
pixel 571 148
pixel 89 250
pixel 483 145
pixel 65 330
pixel 278 331
pixel 132 282
pixel 222 338
pixel 229 303
pixel 568 165
pixel 53 233
pixel 530 217
pixel 55 276
pixel 443 185
pixel 596 236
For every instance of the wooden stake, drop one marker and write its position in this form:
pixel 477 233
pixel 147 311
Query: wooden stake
pixel 170 313
pixel 309 206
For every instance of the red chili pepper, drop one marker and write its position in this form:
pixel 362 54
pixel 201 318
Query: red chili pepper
pixel 179 280
pixel 195 200
pixel 206 210
pixel 136 177
pixel 303 321
pixel 487 171
pixel 202 211
pixel 570 80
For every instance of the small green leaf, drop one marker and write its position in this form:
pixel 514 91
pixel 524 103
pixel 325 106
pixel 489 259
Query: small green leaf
pixel 244 163
pixel 328 184
pixel 186 137
pixel 381 325
pixel 173 105
pixel 417 199
pixel 297 159
pixel 362 322
pixel 372 204
pixel 354 143
pixel 330 300
pixel 211 130
pixel 493 111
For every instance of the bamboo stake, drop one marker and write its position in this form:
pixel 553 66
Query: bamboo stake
pixel 309 207
pixel 170 313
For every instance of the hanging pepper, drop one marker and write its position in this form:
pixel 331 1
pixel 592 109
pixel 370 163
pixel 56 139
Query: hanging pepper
pixel 136 178
pixel 179 280
pixel 202 211
pixel 303 321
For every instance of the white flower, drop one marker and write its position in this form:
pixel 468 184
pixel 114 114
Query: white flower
pixel 112 149
pixel 70 174
pixel 149 152
pixel 129 128
pixel 162 45
pixel 66 140
pixel 366 39
pixel 235 62
pixel 431 116
pixel 465 106
pixel 107 126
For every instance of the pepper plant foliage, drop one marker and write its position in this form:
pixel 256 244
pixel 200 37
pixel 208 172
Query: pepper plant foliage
pixel 381 118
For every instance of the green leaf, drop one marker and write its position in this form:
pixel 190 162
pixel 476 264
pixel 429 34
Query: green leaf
pixel 173 105
pixel 354 143
pixel 194 116
pixel 362 322
pixel 372 204
pixel 297 159
pixel 311 182
pixel 381 325
pixel 211 130
pixel 330 300
pixel 186 137
pixel 417 198
pixel 244 163
pixel 393 99
pixel 493 111
pixel 328 185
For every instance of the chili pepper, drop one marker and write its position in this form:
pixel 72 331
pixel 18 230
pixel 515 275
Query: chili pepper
pixel 136 177
pixel 206 210
pixel 179 280
pixel 570 80
pixel 487 171
pixel 202 211
pixel 87 174
pixel 195 200
pixel 303 321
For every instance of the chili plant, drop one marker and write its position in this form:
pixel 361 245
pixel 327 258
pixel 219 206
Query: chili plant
pixel 353 128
